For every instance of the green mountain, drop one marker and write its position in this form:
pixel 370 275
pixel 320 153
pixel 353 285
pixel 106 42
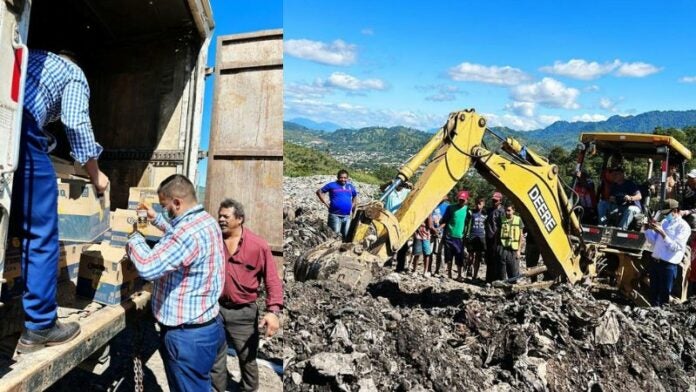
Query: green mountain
pixel 379 151
pixel 566 134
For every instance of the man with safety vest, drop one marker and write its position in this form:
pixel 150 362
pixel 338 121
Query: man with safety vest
pixel 509 246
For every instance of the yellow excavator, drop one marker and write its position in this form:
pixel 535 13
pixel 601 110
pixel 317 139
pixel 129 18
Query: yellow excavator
pixel 599 255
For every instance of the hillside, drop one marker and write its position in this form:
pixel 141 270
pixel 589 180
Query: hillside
pixel 301 161
pixel 380 151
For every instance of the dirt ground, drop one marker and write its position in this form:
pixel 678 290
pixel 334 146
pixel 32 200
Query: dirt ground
pixel 415 333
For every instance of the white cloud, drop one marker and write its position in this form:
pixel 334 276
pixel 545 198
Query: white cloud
pixel 688 79
pixel 367 31
pixel 548 92
pixel 548 120
pixel 591 89
pixel 636 70
pixel 581 69
pixel 440 92
pixel 588 70
pixel 344 81
pixel 504 76
pixel 297 90
pixel 357 116
pixel 525 109
pixel 336 53
pixel 512 121
pixel 606 103
pixel 590 117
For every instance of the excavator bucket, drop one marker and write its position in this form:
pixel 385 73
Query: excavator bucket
pixel 344 262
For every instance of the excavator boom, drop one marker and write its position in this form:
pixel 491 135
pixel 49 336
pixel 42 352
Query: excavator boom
pixel 532 183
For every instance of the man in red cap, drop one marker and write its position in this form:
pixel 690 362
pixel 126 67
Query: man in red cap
pixel 493 217
pixel 454 222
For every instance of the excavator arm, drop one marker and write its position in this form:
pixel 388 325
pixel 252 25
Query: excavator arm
pixel 526 178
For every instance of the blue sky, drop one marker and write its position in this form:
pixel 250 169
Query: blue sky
pixel 523 64
pixel 234 17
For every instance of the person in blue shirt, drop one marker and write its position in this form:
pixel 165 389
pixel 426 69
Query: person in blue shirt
pixel 342 196
pixel 55 89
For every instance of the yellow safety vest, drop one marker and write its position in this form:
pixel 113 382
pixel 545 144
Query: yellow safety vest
pixel 510 230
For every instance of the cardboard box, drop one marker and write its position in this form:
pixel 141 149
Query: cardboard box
pixel 82 216
pixel 68 264
pixel 122 225
pixel 148 195
pixel 67 169
pixel 106 275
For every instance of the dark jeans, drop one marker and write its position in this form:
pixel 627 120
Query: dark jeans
pixel 507 265
pixel 401 258
pixel 454 249
pixel 242 330
pixel 662 275
pixel 188 355
pixel 491 259
pixel 34 218
pixel 531 255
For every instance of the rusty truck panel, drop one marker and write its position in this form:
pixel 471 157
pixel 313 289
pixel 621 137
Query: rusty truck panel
pixel 246 137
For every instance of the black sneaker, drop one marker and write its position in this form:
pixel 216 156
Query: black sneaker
pixel 58 334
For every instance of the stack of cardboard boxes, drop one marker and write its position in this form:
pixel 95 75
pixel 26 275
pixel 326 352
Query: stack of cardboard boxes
pixel 82 218
pixel 93 262
pixel 106 274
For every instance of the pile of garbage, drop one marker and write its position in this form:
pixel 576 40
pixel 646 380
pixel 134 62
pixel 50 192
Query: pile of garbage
pixel 415 333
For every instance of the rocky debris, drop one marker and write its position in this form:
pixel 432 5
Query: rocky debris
pixel 416 333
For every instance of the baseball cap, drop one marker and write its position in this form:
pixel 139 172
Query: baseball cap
pixel 463 195
pixel 497 196
pixel 691 174
pixel 668 205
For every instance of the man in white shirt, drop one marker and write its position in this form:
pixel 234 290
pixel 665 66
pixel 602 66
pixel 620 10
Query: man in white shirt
pixel 669 239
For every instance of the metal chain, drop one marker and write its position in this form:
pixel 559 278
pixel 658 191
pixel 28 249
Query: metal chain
pixel 137 361
pixel 137 374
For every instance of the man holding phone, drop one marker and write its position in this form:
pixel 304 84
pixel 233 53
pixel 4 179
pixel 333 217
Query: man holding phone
pixel 669 239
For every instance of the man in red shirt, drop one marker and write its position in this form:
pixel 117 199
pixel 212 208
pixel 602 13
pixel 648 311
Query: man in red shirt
pixel 248 261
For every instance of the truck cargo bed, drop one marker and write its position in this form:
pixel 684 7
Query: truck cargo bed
pixel 38 370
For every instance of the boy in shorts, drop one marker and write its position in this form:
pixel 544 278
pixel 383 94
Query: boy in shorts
pixel 421 246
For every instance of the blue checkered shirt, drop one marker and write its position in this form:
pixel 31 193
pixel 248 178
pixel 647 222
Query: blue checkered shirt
pixel 57 89
pixel 186 267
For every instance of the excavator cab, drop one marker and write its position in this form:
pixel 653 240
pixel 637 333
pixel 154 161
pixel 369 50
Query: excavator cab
pixel 649 161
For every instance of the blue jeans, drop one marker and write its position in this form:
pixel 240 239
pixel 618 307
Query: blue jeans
pixel 662 276
pixel 627 213
pixel 34 218
pixel 188 355
pixel 339 224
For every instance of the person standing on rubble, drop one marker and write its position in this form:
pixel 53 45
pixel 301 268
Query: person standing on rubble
pixel 56 89
pixel 476 238
pixel 342 196
pixel 509 247
pixel 248 262
pixel 493 216
pixel 187 268
pixel 392 203
pixel 437 237
pixel 669 239
pixel 454 222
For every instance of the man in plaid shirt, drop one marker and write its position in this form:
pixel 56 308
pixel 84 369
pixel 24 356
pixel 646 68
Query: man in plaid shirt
pixel 56 89
pixel 187 270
